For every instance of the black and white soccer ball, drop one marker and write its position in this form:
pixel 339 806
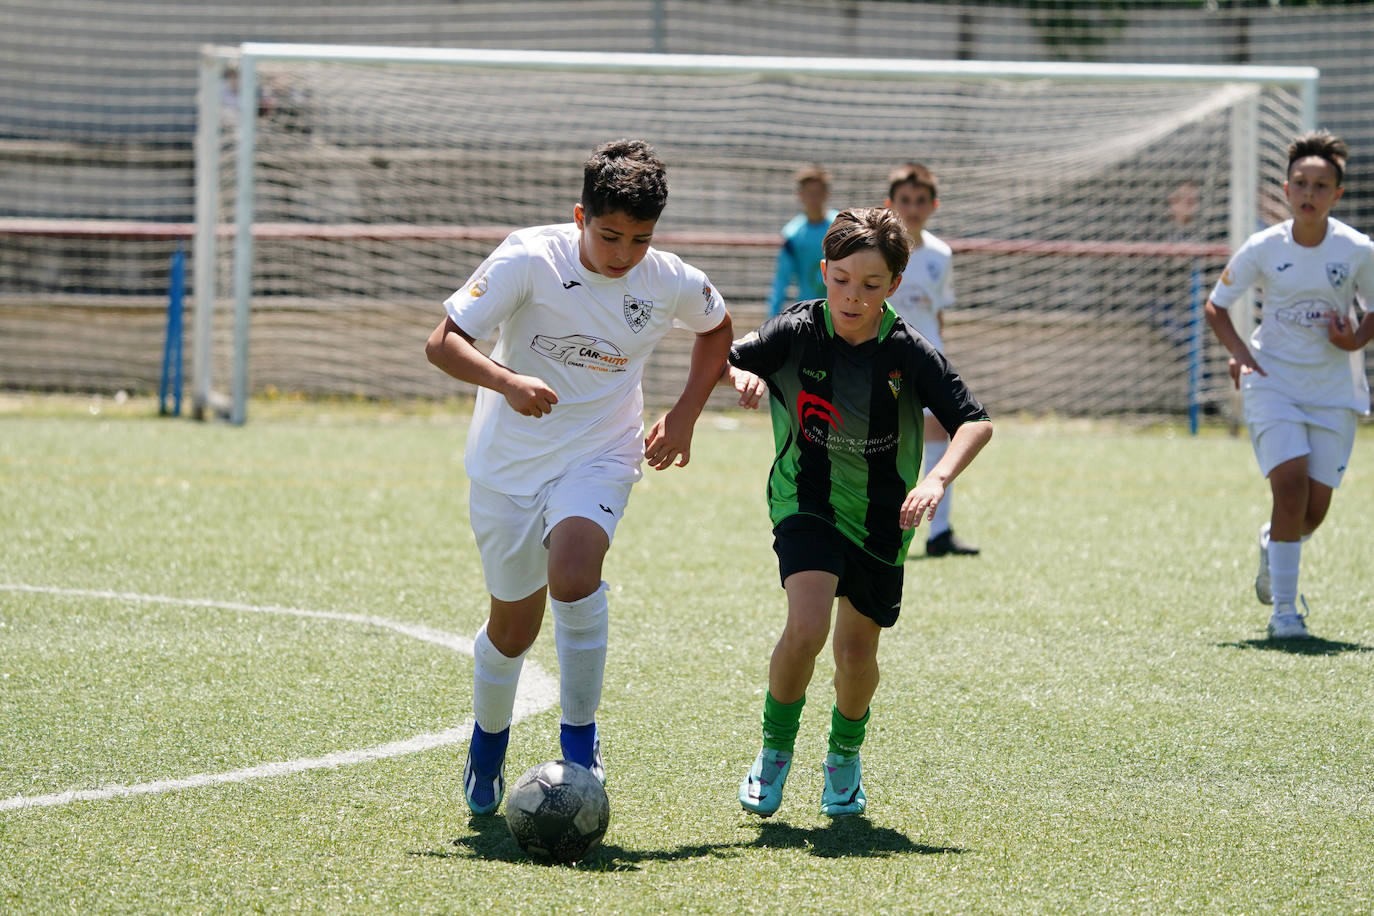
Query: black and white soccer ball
pixel 558 811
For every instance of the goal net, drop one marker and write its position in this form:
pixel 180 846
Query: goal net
pixel 343 192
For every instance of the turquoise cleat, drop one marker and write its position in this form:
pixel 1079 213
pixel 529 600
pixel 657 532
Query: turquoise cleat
pixel 761 791
pixel 844 786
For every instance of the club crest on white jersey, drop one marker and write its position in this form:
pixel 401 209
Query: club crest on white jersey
pixel 637 312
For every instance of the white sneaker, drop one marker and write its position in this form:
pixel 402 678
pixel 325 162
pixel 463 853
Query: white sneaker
pixel 1287 623
pixel 1262 589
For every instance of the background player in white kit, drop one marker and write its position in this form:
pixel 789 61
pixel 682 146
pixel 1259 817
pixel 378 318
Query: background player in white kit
pixel 927 290
pixel 557 431
pixel 1302 380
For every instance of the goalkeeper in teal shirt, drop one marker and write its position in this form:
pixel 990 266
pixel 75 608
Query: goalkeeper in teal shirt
pixel 799 258
pixel 847 381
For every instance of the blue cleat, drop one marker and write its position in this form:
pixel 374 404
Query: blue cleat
pixel 484 774
pixel 582 744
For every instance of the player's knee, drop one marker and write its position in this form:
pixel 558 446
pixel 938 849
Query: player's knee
pixel 512 637
pixel 513 626
pixel 573 583
pixel 852 660
pixel 574 570
pixel 1290 493
pixel 805 636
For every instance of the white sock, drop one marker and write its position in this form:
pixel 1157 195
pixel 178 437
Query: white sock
pixel 934 451
pixel 495 677
pixel 579 633
pixel 1284 558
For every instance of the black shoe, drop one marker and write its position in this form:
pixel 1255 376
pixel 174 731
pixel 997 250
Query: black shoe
pixel 946 543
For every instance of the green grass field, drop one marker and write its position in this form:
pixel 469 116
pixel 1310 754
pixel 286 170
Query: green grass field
pixel 1085 719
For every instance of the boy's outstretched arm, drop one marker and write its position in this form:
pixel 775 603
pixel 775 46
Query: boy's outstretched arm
pixel 968 440
pixel 670 438
pixel 451 349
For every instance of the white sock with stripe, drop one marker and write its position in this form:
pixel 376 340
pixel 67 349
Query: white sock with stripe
pixel 934 451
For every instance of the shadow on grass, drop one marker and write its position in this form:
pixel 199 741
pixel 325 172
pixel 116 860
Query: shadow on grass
pixel 846 837
pixel 1313 645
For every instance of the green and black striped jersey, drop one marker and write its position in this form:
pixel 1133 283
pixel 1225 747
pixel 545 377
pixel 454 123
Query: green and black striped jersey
pixel 847 421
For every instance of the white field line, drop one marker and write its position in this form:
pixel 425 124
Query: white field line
pixel 537 692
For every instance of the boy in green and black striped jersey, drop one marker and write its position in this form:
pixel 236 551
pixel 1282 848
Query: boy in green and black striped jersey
pixel 847 381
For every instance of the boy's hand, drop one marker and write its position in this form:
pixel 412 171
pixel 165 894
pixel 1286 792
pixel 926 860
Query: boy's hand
pixel 920 503
pixel 530 396
pixel 751 388
pixel 1341 331
pixel 670 438
pixel 1237 367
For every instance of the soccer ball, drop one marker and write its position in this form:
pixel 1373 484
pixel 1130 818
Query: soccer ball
pixel 558 811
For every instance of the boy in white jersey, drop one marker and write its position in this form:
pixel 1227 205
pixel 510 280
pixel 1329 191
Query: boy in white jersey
pixel 1302 378
pixel 557 432
pixel 927 290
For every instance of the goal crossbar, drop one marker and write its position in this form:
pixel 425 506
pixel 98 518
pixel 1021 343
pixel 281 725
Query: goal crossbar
pixel 897 68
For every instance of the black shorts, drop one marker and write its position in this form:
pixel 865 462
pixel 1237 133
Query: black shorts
pixel 805 542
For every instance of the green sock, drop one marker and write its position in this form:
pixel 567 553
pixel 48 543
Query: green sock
pixel 780 723
pixel 847 735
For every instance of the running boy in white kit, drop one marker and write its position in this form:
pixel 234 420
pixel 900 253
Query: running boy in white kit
pixel 557 433
pixel 1302 378
pixel 927 290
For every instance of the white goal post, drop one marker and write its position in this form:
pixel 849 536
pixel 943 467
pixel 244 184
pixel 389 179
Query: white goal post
pixel 343 191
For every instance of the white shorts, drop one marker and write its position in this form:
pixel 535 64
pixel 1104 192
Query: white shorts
pixel 512 532
pixel 1327 443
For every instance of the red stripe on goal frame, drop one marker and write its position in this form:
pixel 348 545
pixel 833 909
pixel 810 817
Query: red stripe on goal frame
pixel 135 229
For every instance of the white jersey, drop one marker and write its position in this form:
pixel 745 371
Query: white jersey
pixel 927 288
pixel 1301 287
pixel 586 335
